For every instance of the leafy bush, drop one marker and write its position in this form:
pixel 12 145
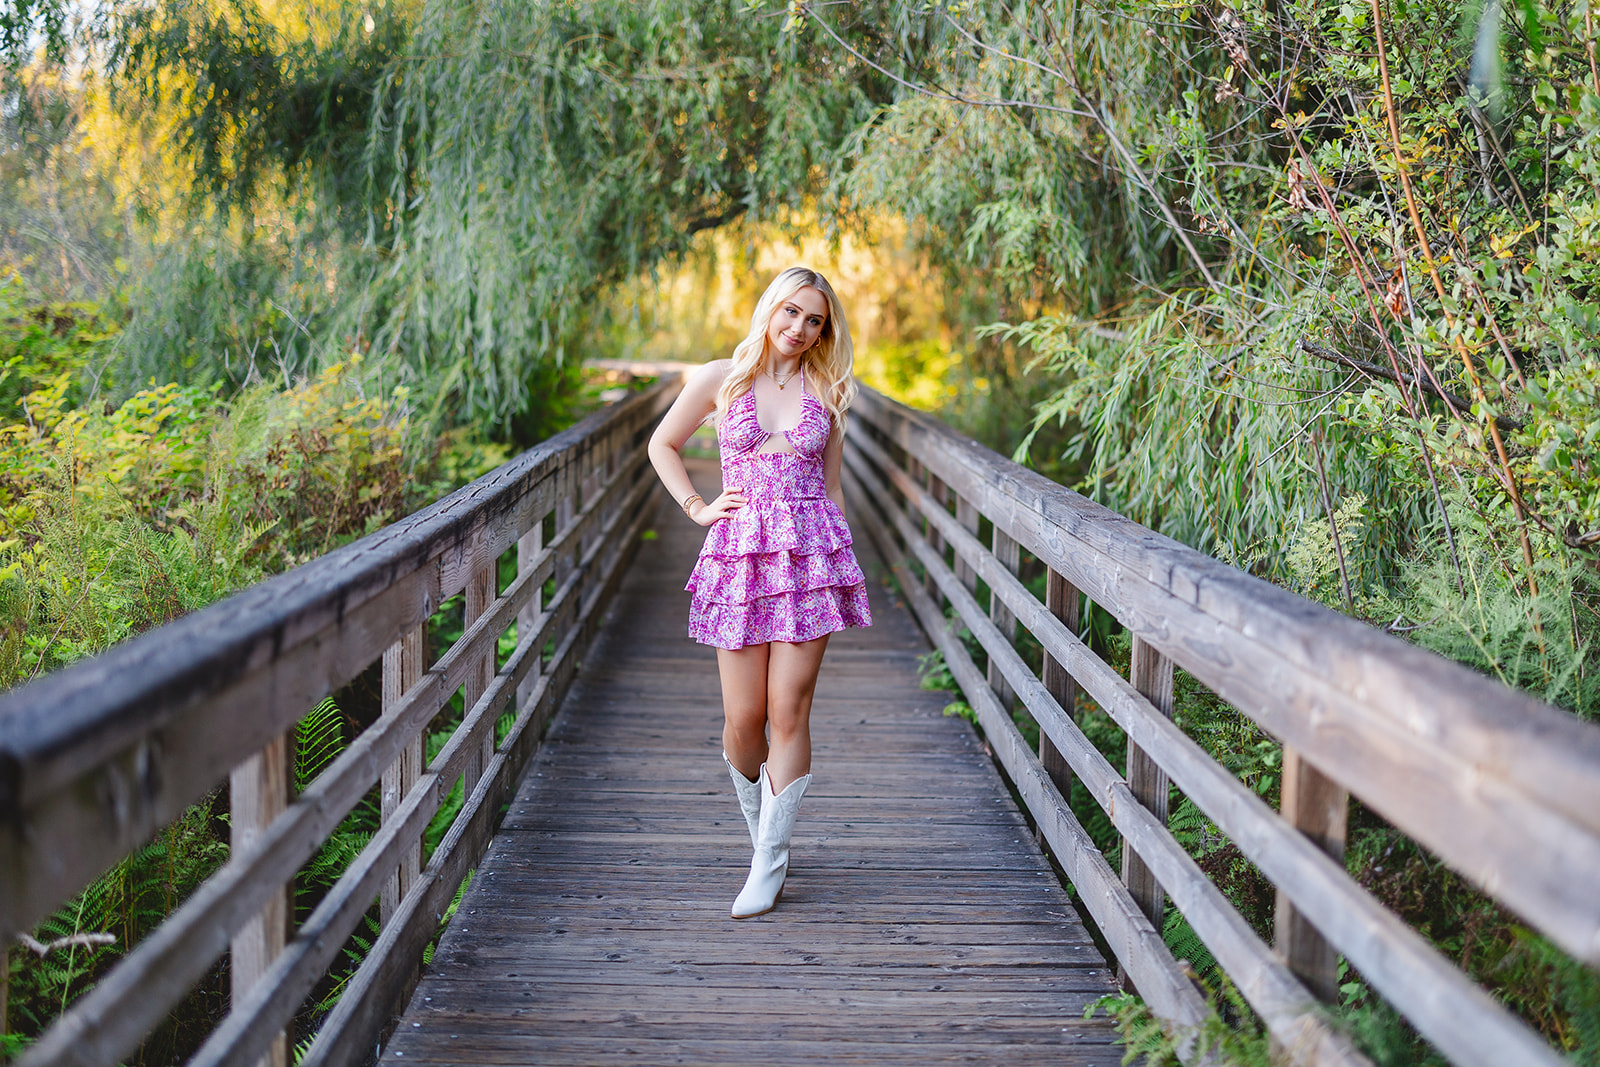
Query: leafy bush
pixel 112 522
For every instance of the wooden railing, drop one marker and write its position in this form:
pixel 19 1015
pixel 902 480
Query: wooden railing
pixel 1504 789
pixel 95 759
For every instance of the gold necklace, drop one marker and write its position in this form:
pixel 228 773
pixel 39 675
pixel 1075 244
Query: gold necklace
pixel 785 380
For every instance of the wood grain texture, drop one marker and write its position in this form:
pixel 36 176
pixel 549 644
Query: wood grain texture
pixel 402 666
pixel 1004 550
pixel 920 923
pixel 384 980
pixel 1318 807
pixel 258 790
pixel 108 1021
pixel 1151 674
pixel 1061 600
pixel 1134 941
pixel 387 973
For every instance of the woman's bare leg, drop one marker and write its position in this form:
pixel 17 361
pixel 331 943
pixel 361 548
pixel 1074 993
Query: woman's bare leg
pixel 791 682
pixel 744 707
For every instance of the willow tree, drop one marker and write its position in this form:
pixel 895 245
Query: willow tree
pixel 1279 255
pixel 541 152
pixel 460 181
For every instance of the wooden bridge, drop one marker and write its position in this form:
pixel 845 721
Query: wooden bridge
pixel 922 922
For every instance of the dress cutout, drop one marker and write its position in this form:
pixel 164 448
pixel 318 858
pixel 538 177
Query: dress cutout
pixel 780 568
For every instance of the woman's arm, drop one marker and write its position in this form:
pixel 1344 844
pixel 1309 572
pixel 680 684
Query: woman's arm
pixel 832 461
pixel 698 399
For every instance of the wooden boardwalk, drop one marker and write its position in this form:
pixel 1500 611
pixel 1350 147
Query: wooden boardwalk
pixel 920 923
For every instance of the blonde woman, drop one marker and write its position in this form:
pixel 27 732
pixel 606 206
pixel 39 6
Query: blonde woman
pixel 776 575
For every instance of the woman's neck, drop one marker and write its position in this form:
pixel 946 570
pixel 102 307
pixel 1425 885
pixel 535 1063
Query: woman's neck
pixel 782 368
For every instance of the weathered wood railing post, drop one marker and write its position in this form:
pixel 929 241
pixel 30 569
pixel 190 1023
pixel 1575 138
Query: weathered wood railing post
pixel 258 791
pixel 1061 599
pixel 1006 552
pixel 940 494
pixel 566 513
pixel 528 549
pixel 592 459
pixel 478 595
pixel 1318 807
pixel 402 666
pixel 967 515
pixel 1151 674
pixel 919 474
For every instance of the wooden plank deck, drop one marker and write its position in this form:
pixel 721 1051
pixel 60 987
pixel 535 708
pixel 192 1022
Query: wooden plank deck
pixel 919 924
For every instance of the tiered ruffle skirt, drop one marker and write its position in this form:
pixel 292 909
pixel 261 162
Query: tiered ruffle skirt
pixel 778 569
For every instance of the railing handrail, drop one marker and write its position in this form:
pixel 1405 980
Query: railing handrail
pixel 100 755
pixel 1504 788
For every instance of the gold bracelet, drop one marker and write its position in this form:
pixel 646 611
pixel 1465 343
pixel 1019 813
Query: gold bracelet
pixel 691 498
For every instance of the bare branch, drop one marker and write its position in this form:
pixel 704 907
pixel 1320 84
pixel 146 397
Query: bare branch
pixel 1458 405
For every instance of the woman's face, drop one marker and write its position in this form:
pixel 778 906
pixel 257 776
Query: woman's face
pixel 797 323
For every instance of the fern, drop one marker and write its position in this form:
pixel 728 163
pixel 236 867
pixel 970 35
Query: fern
pixel 449 913
pixel 934 673
pixel 319 738
pixel 1186 944
pixel 355 953
pixel 1540 979
pixel 127 902
pixel 1230 1036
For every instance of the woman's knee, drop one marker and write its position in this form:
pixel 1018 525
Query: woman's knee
pixel 789 720
pixel 745 727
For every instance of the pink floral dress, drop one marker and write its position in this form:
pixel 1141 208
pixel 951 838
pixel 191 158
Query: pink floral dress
pixel 780 568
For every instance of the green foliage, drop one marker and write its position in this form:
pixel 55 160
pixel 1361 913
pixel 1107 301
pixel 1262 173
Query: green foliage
pixel 449 913
pixel 1222 1037
pixel 62 230
pixel 1541 980
pixel 1563 434
pixel 41 341
pixel 112 522
pixel 453 185
pixel 262 99
pixel 1179 232
pixel 1541 641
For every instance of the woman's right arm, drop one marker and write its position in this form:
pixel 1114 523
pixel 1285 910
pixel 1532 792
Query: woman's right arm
pixel 698 399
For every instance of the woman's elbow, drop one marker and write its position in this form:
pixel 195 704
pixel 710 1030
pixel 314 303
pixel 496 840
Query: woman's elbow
pixel 660 448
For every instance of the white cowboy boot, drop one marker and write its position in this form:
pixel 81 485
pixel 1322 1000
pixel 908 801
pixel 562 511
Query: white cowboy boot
pixel 749 797
pixel 771 861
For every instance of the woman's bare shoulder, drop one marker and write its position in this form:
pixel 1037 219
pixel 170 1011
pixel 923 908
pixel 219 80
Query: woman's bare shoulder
pixel 715 371
pixel 707 378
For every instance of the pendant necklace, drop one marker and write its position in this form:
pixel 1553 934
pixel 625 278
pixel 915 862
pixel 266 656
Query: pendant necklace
pixel 785 380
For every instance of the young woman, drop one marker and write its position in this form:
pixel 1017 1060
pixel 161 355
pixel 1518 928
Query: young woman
pixel 776 575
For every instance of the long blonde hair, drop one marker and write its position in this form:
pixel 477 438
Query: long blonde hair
pixel 829 363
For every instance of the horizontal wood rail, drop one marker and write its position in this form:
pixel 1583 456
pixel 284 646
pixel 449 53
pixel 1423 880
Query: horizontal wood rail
pixel 94 759
pixel 1503 788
